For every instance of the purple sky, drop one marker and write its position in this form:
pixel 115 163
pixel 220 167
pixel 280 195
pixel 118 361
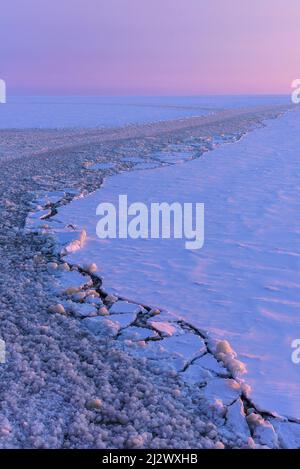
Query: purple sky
pixel 114 47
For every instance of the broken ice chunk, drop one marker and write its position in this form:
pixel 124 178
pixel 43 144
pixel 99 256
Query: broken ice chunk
pixel 101 326
pixel 187 345
pixel 124 319
pixel 209 362
pixel 83 310
pixel 120 307
pixel 196 375
pixel 72 281
pixel 236 420
pixel 165 328
pixel 137 333
pixel 224 389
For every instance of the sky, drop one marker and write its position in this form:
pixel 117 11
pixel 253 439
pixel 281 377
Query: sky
pixel 149 47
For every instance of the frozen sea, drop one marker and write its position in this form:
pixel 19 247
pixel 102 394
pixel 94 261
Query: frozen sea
pixel 243 285
pixel 92 111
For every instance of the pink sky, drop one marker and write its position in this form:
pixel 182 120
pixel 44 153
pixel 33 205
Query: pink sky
pixel 142 47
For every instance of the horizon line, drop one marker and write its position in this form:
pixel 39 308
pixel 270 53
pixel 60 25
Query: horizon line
pixel 130 95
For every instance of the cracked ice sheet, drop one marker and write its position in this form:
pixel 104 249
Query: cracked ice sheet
pixel 178 350
pixel 288 433
pixel 80 310
pixel 236 421
pixel 124 307
pixel 137 333
pixel 242 285
pixel 165 328
pixel 70 279
pixel 163 359
pixel 209 362
pixel 117 321
pixel 187 345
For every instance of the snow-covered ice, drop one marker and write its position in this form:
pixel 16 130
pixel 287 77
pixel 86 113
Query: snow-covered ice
pixel 137 333
pixel 58 373
pixel 165 328
pixel 90 112
pixel 242 286
pixel 145 165
pixel 101 166
pixel 172 157
pixel 124 307
pixel 188 345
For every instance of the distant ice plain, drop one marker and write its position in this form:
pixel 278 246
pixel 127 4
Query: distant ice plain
pixel 23 112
